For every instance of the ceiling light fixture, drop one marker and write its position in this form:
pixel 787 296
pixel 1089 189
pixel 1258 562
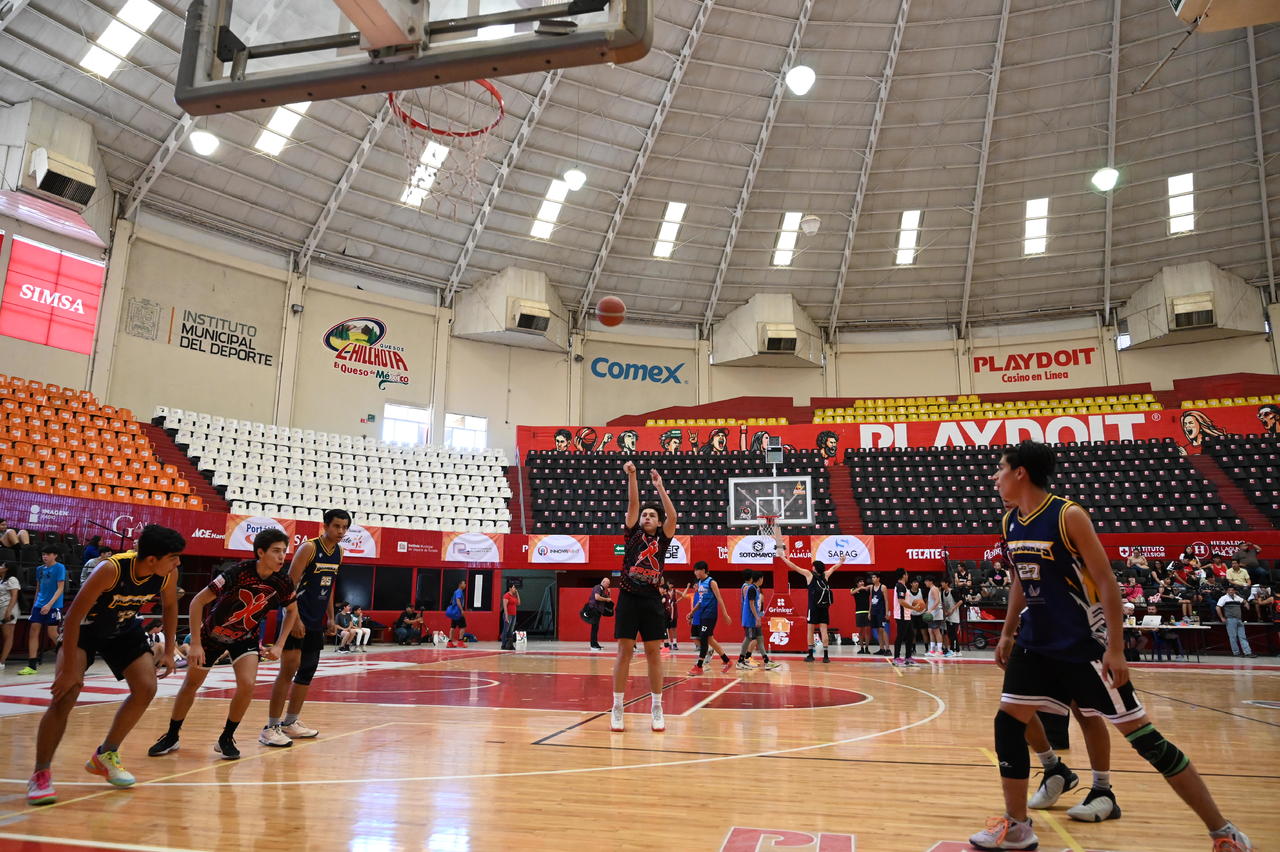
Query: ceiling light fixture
pixel 576 179
pixel 1105 179
pixel 800 79
pixel 203 142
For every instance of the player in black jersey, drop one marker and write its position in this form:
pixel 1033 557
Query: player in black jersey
pixel 228 611
pixel 639 609
pixel 817 579
pixel 103 621
pixel 314 572
pixel 1069 647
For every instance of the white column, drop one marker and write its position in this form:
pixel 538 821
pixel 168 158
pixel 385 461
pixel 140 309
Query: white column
pixel 440 374
pixel 98 379
pixel 287 366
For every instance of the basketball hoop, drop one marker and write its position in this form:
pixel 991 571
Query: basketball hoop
pixel 768 525
pixel 445 133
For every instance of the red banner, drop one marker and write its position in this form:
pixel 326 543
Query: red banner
pixel 1188 428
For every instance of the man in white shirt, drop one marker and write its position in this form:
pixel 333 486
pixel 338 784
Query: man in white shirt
pixel 1231 613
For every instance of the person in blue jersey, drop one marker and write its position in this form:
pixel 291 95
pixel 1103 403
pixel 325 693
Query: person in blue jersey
pixel 753 621
pixel 457 612
pixel 103 622
pixel 706 613
pixel 638 612
pixel 51 583
pixel 314 572
pixel 1062 642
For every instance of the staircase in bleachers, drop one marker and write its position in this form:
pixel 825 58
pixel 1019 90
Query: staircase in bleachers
pixel 170 453
pixel 1251 464
pixel 521 500
pixel 1128 486
pixel 586 493
pixel 281 472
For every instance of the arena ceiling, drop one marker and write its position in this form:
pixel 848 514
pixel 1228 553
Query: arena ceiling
pixel 942 106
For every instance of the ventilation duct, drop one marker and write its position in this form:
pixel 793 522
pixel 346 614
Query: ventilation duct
pixel 58 178
pixel 777 337
pixel 529 316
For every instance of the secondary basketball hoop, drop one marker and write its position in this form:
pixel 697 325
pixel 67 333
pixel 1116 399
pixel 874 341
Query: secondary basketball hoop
pixel 445 133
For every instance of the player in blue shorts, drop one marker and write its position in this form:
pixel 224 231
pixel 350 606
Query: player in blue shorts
pixel 51 582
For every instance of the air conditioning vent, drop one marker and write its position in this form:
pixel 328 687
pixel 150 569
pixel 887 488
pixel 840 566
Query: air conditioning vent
pixel 777 337
pixel 1192 311
pixel 1193 319
pixel 58 178
pixel 529 316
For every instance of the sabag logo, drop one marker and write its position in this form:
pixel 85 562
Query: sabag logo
pixel 659 374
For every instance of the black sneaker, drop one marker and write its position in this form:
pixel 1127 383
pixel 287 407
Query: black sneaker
pixel 1097 806
pixel 226 746
pixel 168 742
pixel 808 658
pixel 826 658
pixel 1057 780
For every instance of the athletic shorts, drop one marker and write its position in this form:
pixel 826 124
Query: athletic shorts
pixel 459 623
pixel 671 623
pixel 639 614
pixel 704 630
pixel 215 650
pixel 312 642
pixel 879 621
pixel 749 633
pixel 118 651
pixel 862 619
pixel 53 618
pixel 819 615
pixel 1052 684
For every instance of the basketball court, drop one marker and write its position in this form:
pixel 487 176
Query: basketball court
pixel 477 749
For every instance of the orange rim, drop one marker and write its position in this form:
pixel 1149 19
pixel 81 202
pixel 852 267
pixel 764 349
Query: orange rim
pixel 408 119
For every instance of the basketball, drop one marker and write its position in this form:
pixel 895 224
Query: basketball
pixel 611 311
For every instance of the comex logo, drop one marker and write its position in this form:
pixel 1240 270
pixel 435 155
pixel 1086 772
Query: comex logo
pixel 659 374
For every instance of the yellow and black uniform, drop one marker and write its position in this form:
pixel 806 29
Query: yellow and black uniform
pixel 112 628
pixel 316 587
pixel 1062 634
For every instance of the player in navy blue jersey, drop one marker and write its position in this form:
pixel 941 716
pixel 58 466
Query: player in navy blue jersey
pixel 103 622
pixel 314 572
pixel 1062 642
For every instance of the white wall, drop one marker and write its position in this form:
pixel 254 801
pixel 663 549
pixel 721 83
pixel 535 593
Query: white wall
pixel 1160 365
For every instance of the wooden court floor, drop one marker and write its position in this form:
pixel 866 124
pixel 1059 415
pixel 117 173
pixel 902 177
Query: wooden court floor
pixel 459 750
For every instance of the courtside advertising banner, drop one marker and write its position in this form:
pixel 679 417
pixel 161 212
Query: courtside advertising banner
pixel 242 528
pixel 750 549
pixel 361 542
pixel 559 549
pixel 678 550
pixel 849 549
pixel 472 547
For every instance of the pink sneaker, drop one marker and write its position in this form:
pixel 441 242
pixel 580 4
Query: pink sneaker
pixel 40 789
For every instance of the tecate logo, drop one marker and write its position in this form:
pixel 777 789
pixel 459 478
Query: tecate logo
pixel 924 553
pixel 659 374
pixel 205 534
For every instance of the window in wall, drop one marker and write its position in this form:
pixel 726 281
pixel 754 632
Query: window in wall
pixel 405 424
pixel 1035 234
pixel 1182 204
pixel 464 432
pixel 908 237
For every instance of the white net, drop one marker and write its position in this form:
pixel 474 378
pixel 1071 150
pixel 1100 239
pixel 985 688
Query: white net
pixel 445 133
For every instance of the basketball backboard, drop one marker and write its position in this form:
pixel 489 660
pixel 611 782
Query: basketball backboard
pixel 789 498
pixel 249 55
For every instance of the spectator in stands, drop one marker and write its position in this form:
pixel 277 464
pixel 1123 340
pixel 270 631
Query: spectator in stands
pixel 1158 570
pixel 345 632
pixel 999 576
pixel 93 562
pixel 408 626
pixel 155 640
pixel 1216 569
pixel 1237 576
pixel 961 580
pixel 1269 417
pixel 9 588
pixel 1137 560
pixel 1231 613
pixel 1247 556
pixel 1182 592
pixel 1132 592
pixel 91 549
pixel 510 606
pixel 13 538
pixel 597 606
pixel 362 633
pixel 51 584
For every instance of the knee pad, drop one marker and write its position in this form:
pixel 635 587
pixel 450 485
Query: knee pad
pixel 1011 747
pixel 307 668
pixel 1166 757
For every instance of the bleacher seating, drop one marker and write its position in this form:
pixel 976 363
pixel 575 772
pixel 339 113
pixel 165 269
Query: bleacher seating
pixel 1253 463
pixel 721 421
pixel 1128 486
pixel 586 493
pixel 968 407
pixel 1230 401
pixel 298 473
pixel 56 440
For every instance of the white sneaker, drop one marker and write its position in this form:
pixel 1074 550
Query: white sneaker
pixel 615 720
pixel 659 721
pixel 1097 806
pixel 298 731
pixel 1004 833
pixel 1057 780
pixel 271 735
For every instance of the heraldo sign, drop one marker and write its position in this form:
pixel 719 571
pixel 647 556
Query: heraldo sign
pixel 659 374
